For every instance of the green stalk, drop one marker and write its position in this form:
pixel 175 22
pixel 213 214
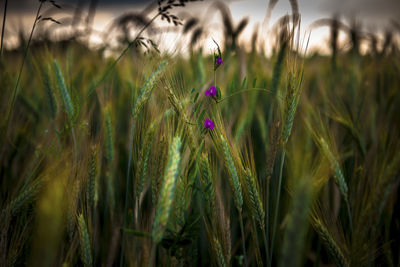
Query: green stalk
pixel 266 245
pixel 349 214
pixel 3 27
pixel 277 204
pixel 266 230
pixel 243 238
pixel 257 242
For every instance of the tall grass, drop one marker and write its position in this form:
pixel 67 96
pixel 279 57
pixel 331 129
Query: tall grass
pixel 107 161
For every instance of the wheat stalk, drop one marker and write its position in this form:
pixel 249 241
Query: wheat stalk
pixel 257 209
pixel 92 179
pixel 166 197
pixel 86 254
pixel 109 134
pixel 141 100
pixel 147 89
pixel 144 159
pixel 208 186
pixel 338 174
pixel 68 105
pixel 234 181
pixel 330 244
pixel 236 188
pixel 219 252
pixel 24 197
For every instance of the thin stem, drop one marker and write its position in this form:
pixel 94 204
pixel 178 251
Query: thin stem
pixel 258 254
pixel 3 27
pixel 266 230
pixel 266 245
pixel 277 203
pixel 215 78
pixel 243 238
pixel 75 143
pixel 112 66
pixel 349 214
pixel 15 90
pixel 127 187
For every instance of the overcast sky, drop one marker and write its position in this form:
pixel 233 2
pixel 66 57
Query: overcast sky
pixel 375 10
pixel 373 14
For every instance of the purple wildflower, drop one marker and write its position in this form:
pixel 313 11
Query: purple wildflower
pixel 212 92
pixel 209 124
pixel 219 61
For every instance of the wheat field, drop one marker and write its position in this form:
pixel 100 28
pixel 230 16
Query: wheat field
pixel 234 158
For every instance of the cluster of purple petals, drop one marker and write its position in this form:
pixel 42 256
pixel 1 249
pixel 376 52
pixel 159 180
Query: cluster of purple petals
pixel 212 92
pixel 219 61
pixel 209 124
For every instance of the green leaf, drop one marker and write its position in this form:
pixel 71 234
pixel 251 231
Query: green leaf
pixel 232 87
pixel 244 82
pixel 219 95
pixel 195 97
pixel 254 82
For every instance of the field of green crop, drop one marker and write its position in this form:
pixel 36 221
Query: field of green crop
pixel 231 159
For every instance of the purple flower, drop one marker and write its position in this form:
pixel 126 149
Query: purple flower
pixel 219 61
pixel 212 92
pixel 209 124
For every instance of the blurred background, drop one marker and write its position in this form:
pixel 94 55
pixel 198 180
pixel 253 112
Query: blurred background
pixel 106 23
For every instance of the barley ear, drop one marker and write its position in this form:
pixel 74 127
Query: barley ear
pixel 147 89
pixel 166 197
pixel 234 181
pixel 257 209
pixel 330 244
pixel 144 159
pixel 219 252
pixel 207 184
pixel 69 107
pixel 109 142
pixel 338 174
pixel 86 254
pixel 25 197
pixel 92 179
